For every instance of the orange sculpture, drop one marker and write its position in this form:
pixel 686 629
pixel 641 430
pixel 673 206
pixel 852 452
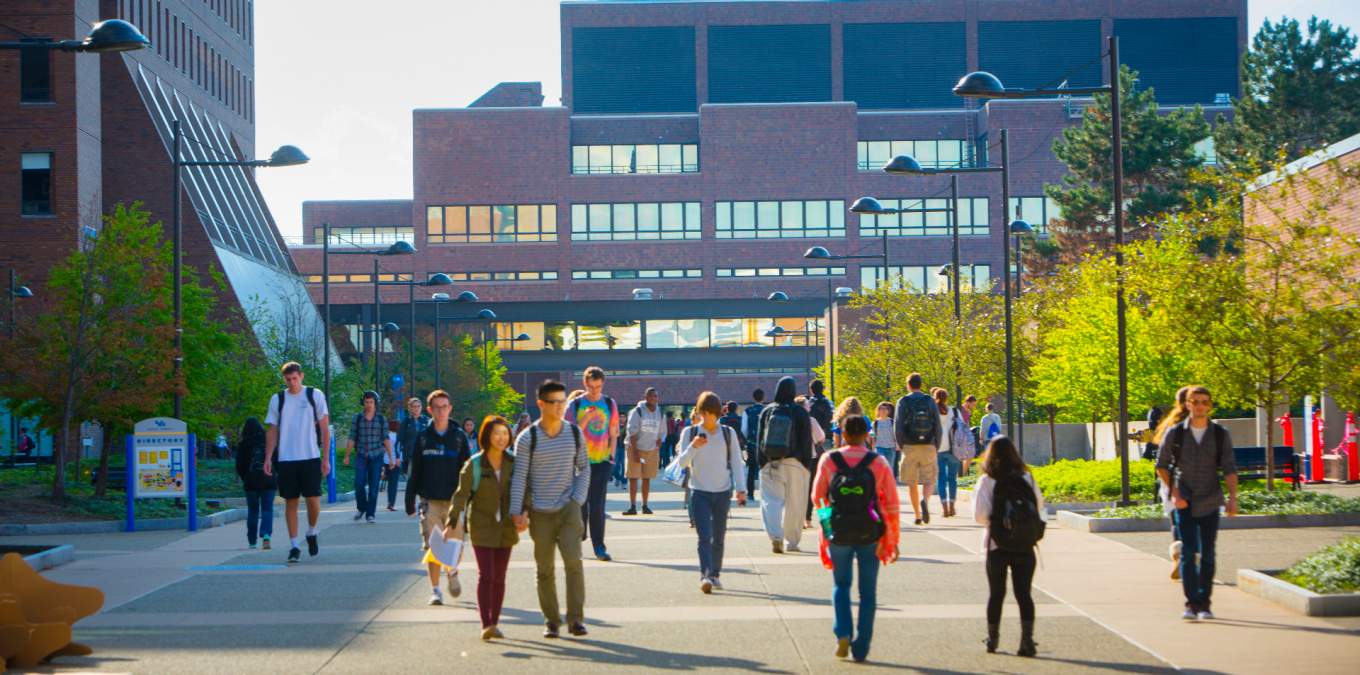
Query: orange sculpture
pixel 36 615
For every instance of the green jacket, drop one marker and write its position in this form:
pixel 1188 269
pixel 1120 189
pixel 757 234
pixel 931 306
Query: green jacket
pixel 491 497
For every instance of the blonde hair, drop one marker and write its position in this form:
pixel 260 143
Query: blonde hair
pixel 850 406
pixel 1177 415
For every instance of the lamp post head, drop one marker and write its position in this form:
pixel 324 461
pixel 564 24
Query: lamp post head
pixel 980 84
pixel 817 253
pixel 946 270
pixel 23 292
pixel 642 294
pixel 1021 227
pixel 288 155
pixel 466 296
pixel 904 164
pixel 439 297
pixel 869 206
pixel 844 293
pixel 390 327
pixel 438 279
pixel 522 337
pixel 402 247
pixel 486 315
pixel 775 332
pixel 113 35
pixel 778 296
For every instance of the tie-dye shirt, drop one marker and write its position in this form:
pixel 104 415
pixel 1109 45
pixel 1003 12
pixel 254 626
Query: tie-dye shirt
pixel 596 419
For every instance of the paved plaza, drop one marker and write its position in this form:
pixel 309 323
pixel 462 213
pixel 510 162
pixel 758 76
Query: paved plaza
pixel 179 603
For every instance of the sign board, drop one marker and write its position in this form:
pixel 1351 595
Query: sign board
pixel 159 449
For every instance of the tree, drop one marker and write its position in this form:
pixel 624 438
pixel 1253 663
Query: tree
pixel 1298 94
pixel 1159 154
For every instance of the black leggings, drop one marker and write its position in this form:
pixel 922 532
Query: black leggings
pixel 1022 575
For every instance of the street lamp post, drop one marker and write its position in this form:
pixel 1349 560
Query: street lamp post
pixel 400 247
pixel 486 356
pixel 981 84
pixel 779 331
pixel 105 37
pixel 438 299
pixel 16 292
pixel 1018 229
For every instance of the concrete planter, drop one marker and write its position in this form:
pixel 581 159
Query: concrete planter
pixel 153 524
pixel 1085 523
pixel 1264 584
pixel 52 557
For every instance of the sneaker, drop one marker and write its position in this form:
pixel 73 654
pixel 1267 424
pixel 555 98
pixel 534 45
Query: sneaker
pixel 455 588
pixel 777 546
pixel 792 548
pixel 578 629
pixel 717 585
pixel 391 508
pixel 705 586
pixel 646 510
pixel 369 519
pixel 632 511
pixel 490 632
pixel 264 544
pixel 1190 615
pixel 358 516
pixel 842 647
pixel 251 546
pixel 436 598
pixel 603 556
pixel 918 521
pixel 550 631
pixel 313 547
pixel 294 555
pixel 496 633
pixel 925 511
pixel 1206 615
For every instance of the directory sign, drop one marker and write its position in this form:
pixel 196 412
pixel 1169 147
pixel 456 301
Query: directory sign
pixel 159 449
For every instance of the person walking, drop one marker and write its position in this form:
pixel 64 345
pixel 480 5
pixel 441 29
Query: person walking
pixel 947 463
pixel 859 494
pixel 712 452
pixel 823 411
pixel 785 460
pixel 750 430
pixel 368 432
pixel 523 423
pixel 1007 502
pixel 408 432
pixel 918 432
pixel 546 495
pixel 597 418
pixel 965 440
pixel 989 425
pixel 1190 459
pixel 483 497
pixel 297 427
pixel 392 472
pixel 849 407
pixel 1178 413
pixel 646 431
pixel 470 430
pixel 885 443
pixel 441 451
pixel 258 486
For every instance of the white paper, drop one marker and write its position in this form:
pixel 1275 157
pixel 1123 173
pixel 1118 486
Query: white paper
pixel 447 552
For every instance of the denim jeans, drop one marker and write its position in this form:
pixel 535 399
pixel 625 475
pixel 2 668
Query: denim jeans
pixel 947 484
pixel 1198 535
pixel 843 573
pixel 259 515
pixel 393 477
pixel 592 512
pixel 889 454
pixel 367 479
pixel 710 523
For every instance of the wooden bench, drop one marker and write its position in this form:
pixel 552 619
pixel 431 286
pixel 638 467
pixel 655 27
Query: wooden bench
pixel 117 478
pixel 1251 463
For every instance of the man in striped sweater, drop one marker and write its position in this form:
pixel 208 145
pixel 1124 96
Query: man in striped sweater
pixel 547 488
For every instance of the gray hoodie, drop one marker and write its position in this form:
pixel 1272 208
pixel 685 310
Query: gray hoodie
pixel 646 428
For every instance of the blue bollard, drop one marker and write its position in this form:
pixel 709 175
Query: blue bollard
pixel 330 478
pixel 191 480
pixel 130 484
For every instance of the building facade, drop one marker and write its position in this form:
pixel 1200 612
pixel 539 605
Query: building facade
pixel 700 148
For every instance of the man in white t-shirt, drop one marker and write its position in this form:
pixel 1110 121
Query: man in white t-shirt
pixel 298 426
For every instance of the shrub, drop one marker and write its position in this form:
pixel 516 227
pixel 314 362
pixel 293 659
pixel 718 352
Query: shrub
pixel 1256 503
pixel 1094 481
pixel 1332 569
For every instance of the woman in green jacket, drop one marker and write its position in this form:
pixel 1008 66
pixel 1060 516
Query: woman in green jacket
pixel 484 492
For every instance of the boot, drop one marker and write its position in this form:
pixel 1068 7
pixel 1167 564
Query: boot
pixel 1027 644
pixel 993 637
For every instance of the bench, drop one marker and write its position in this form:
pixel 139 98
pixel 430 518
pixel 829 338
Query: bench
pixel 117 478
pixel 1251 463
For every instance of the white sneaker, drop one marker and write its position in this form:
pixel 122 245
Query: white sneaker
pixel 706 586
pixel 1189 615
pixel 435 598
pixel 455 588
pixel 792 548
pixel 1206 615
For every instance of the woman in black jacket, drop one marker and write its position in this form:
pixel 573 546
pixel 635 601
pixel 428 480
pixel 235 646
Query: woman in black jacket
pixel 259 486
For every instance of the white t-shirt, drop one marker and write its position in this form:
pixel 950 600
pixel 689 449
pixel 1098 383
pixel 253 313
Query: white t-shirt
pixel 945 421
pixel 297 438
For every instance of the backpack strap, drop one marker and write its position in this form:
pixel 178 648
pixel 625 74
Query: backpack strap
pixel 838 459
pixel 575 435
pixel 476 471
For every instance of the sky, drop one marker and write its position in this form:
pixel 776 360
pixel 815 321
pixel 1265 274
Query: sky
pixel 348 105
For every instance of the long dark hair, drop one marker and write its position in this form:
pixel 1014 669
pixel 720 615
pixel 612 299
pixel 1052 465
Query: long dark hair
pixel 252 433
pixel 1003 459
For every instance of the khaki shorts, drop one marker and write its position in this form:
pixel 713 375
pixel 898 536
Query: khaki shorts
pixel 918 464
pixel 435 514
pixel 646 470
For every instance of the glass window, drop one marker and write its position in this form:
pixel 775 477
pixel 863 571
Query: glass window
pixel 625 335
pixel 628 221
pixel 35 74
pixel 783 219
pixel 36 180
pixel 727 332
pixel 661 334
pixel 690 158
pixel 559 336
pixel 692 333
pixel 927 217
pixel 623 159
pixel 647 159
pixel 632 159
pixel 932 154
pixel 600 159
pixel 580 159
pixel 501 223
pixel 670 159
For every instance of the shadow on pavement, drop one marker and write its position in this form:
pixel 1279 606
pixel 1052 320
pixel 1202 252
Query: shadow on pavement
pixel 629 655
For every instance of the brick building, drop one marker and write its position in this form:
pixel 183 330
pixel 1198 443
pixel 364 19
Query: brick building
pixel 81 133
pixel 701 147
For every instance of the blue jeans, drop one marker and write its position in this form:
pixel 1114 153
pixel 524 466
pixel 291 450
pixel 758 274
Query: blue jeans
pixel 947 484
pixel 842 573
pixel 259 514
pixel 1198 535
pixel 889 454
pixel 393 477
pixel 709 510
pixel 367 481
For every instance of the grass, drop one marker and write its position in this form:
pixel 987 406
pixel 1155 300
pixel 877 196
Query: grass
pixel 1080 480
pixel 1332 569
pixel 25 493
pixel 1257 503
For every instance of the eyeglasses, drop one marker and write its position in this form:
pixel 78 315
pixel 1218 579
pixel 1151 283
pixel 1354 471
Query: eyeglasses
pixel 553 401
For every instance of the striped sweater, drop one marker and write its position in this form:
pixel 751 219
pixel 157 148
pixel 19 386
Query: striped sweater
pixel 555 472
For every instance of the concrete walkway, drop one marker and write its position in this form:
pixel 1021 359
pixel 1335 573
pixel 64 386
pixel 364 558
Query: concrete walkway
pixel 203 603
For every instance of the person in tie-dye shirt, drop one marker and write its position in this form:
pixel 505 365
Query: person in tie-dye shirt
pixel 598 418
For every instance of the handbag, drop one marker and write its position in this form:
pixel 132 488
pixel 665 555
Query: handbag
pixel 674 473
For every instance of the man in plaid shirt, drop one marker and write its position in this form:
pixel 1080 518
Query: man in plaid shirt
pixel 369 433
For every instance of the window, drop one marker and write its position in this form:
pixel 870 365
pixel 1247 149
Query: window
pixel 503 276
pixel 780 220
pixel 659 334
pixel 503 223
pixel 1039 212
pixel 600 275
pixel 677 334
pixel 358 278
pixel 932 154
pixel 365 236
pixel 611 336
pixel 36 170
pixel 615 159
pixel 1206 151
pixel 507 332
pixel 926 218
pixel 781 271
pixel 35 74
pixel 927 279
pixel 635 222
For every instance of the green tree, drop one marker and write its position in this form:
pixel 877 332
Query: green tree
pixel 1159 155
pixel 1298 94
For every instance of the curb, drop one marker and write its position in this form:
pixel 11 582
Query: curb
pixel 52 557
pixel 1264 584
pixel 151 525
pixel 1084 523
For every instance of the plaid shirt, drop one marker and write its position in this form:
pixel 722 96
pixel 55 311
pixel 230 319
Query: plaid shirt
pixel 368 434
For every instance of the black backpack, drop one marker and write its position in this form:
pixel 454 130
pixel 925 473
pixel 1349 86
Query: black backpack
pixel 922 414
pixel 853 492
pixel 752 414
pixel 1015 524
pixel 822 412
pixel 776 438
pixel 316 418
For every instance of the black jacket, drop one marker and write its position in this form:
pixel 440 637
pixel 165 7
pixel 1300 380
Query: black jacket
pixel 436 463
pixel 250 458
pixel 784 396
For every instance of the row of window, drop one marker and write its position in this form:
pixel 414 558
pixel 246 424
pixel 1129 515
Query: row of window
pixel 660 334
pixel 919 277
pixel 926 218
pixel 380 235
pixel 635 221
pixel 649 158
pixel 780 220
pixel 181 46
pixel 597 275
pixel 502 223
pixel 358 278
pixel 634 372
pixel 1039 212
pixel 780 271
pixel 927 278
pixel 932 154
